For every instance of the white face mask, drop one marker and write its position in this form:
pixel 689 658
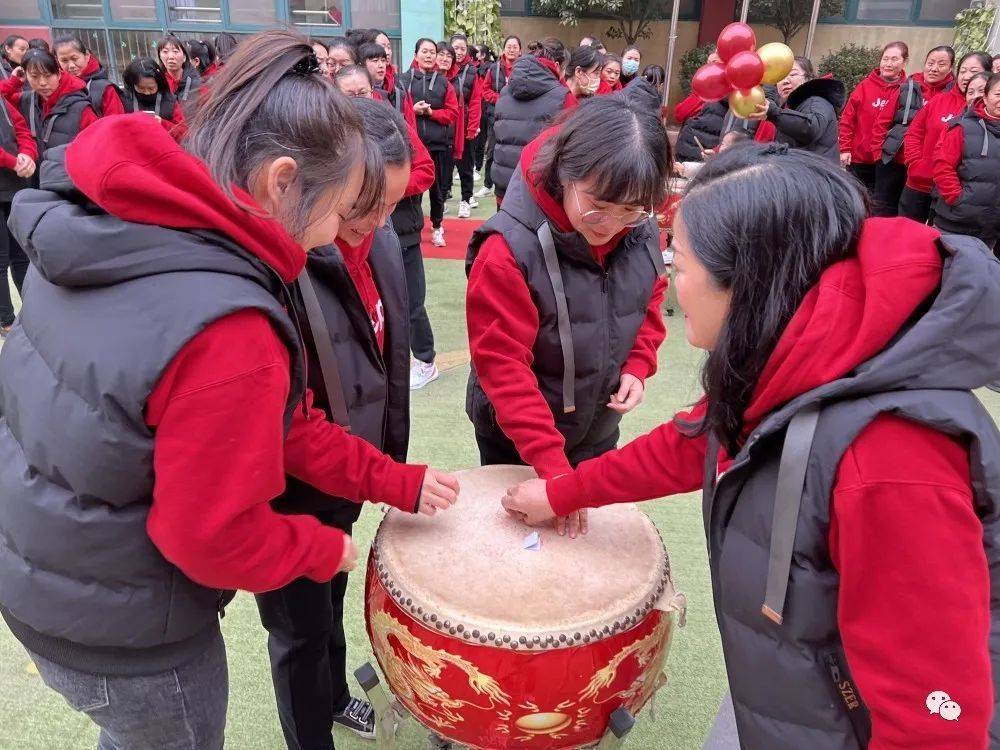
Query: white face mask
pixel 592 85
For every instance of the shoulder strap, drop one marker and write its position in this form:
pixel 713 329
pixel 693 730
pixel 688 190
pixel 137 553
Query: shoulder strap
pixel 787 502
pixel 909 102
pixel 562 316
pixel 653 248
pixel 6 115
pixel 324 352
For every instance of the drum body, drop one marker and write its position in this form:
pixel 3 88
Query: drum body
pixel 495 646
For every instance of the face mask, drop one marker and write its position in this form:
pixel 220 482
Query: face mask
pixel 145 101
pixel 592 85
pixel 630 67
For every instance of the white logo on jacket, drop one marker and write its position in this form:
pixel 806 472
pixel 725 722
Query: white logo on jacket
pixel 378 322
pixel 949 117
pixel 880 103
pixel 940 703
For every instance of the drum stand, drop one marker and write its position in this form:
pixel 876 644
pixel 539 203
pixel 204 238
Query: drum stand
pixel 389 714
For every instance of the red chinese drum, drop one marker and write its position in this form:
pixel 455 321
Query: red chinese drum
pixel 492 645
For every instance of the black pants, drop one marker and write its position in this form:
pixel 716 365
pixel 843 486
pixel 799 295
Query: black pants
pixel 491 142
pixel 465 166
pixel 497 448
pixel 421 335
pixel 913 204
pixel 865 173
pixel 13 257
pixel 308 651
pixel 442 182
pixel 890 179
pixel 479 150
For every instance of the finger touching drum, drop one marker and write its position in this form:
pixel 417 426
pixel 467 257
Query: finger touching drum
pixel 494 643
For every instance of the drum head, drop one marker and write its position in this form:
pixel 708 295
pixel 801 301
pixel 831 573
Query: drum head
pixel 467 570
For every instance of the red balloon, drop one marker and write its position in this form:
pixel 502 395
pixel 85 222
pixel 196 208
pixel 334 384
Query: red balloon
pixel 736 37
pixel 745 70
pixel 710 83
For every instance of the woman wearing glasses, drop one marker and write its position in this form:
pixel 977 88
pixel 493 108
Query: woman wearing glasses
pixel 565 287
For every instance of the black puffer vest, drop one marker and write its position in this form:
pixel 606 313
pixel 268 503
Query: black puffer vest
pixel 374 393
pixel 97 84
pixel 81 583
pixel 706 126
pixel 10 183
pixel 189 84
pixel 767 517
pixel 528 105
pixel 977 210
pixel 498 79
pixel 809 119
pixel 162 105
pixel 911 100
pixel 433 89
pixel 61 125
pixel 586 329
pixel 465 83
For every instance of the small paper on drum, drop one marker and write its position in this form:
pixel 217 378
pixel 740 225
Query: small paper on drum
pixel 533 542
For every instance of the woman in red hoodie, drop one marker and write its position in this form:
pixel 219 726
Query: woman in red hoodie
pixel 173 436
pixel 967 170
pixel 494 83
pixel 74 57
pixel 867 105
pixel 55 106
pixel 927 128
pixel 611 74
pixel 18 157
pixel 905 103
pixel 851 480
pixel 566 283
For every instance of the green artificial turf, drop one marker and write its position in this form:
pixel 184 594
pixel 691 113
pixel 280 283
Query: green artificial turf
pixel 34 718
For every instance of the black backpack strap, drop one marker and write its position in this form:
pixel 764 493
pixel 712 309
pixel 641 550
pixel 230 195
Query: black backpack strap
pixel 787 502
pixel 324 352
pixel 562 317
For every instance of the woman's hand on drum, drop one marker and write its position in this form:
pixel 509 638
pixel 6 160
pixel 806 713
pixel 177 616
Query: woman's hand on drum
pixel 439 492
pixel 349 558
pixel 529 502
pixel 575 523
pixel 630 393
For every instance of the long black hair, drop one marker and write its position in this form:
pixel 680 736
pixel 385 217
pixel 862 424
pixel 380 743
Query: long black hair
pixel 585 58
pixel 765 221
pixel 629 171
pixel 200 54
pixel 145 67
pixel 225 45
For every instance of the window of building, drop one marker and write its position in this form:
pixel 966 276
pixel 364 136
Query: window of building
pixel 20 10
pixel 900 12
pixel 77 9
pixel 375 14
pixel 316 12
pixel 689 10
pixel 941 10
pixel 195 11
pixel 133 10
pixel 252 13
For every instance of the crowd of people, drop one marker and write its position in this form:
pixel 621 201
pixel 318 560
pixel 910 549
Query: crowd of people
pixel 269 191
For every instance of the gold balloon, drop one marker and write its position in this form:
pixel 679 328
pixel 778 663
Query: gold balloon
pixel 745 103
pixel 778 61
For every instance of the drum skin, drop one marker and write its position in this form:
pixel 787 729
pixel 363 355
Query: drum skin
pixel 476 642
pixel 494 698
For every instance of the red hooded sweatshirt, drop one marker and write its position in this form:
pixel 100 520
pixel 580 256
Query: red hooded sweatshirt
pixel 606 88
pixel 866 107
pixel 111 103
pixel 451 113
pixel 922 137
pixel 503 325
pixel 11 88
pixel 22 134
pixel 929 92
pixel 67 85
pixel 948 156
pixel 688 108
pixel 490 94
pixel 913 606
pixel 473 108
pixel 211 513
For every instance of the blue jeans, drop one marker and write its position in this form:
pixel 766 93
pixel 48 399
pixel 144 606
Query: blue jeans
pixel 181 709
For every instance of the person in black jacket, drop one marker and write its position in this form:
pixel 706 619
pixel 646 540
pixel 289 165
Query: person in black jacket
pixel 146 90
pixel 182 75
pixel 353 294
pixel 808 119
pixel 14 47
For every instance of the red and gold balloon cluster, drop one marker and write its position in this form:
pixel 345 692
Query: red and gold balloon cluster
pixel 742 71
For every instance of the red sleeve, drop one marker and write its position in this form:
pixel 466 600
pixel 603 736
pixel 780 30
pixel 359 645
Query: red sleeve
pixel 451 112
pixel 766 131
pixel 660 463
pixel 847 123
pixel 22 133
pixel 906 540
pixel 947 156
pixel 111 102
pixel 913 141
pixel 10 89
pixel 883 122
pixel 338 463
pixel 88 118
pixel 475 106
pixel 488 93
pixel 217 457
pixel 422 167
pixel 642 360
pixel 7 160
pixel 503 325
pixel 571 102
pixel 688 108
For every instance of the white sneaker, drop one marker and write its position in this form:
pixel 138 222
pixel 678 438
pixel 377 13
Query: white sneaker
pixel 482 192
pixel 437 237
pixel 446 209
pixel 473 203
pixel 422 373
pixel 464 210
pixel 476 177
pixel 456 178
